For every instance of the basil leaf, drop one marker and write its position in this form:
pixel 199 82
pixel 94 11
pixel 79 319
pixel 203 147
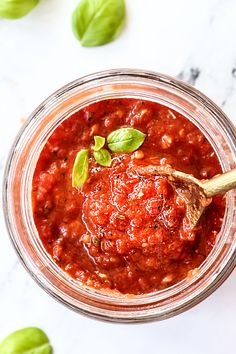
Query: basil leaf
pixel 97 22
pixel 103 157
pixel 125 140
pixel 13 9
pixel 30 340
pixel 99 142
pixel 80 168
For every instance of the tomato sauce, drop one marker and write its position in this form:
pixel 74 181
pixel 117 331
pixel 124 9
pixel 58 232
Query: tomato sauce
pixel 122 231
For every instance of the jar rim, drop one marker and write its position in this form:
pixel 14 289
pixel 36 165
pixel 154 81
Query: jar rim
pixel 122 308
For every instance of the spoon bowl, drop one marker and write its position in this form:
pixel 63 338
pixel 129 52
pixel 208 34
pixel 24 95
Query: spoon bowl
pixel 197 194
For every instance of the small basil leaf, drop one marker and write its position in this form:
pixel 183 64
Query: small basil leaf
pixel 13 9
pixel 99 142
pixel 30 340
pixel 97 22
pixel 125 140
pixel 103 157
pixel 80 168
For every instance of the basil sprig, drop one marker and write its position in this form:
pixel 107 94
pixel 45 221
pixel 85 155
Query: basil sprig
pixel 97 22
pixel 13 9
pixel 103 157
pixel 99 142
pixel 125 140
pixel 30 340
pixel 80 168
pixel 121 140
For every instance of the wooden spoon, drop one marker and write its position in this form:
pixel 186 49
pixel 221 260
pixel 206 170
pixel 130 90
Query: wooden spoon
pixel 197 194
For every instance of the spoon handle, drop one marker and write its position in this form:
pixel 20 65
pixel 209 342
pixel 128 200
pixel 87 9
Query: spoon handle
pixel 220 184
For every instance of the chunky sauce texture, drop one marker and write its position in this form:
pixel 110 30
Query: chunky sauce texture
pixel 122 231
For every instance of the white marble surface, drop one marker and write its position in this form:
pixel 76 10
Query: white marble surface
pixel 38 54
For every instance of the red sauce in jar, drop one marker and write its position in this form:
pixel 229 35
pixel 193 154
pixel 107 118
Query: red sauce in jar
pixel 121 231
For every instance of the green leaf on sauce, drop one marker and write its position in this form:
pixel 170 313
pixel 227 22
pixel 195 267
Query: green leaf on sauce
pixel 125 140
pixel 30 340
pixel 103 157
pixel 80 168
pixel 99 142
pixel 97 22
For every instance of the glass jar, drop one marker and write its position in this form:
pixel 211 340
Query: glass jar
pixel 17 194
